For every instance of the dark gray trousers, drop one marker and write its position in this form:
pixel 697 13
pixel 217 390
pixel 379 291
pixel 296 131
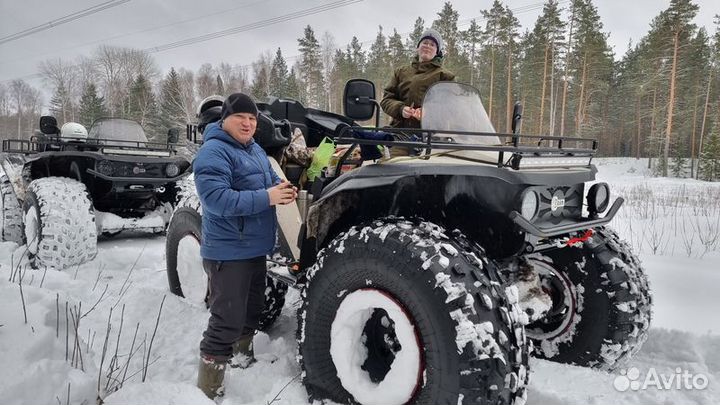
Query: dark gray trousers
pixel 237 299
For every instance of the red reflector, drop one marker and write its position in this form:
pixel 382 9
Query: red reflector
pixel 580 239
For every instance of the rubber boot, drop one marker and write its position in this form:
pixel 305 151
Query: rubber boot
pixel 211 374
pixel 243 352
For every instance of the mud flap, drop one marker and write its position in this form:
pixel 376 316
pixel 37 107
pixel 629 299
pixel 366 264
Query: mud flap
pixel 289 219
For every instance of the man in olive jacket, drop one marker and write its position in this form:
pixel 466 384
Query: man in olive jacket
pixel 403 97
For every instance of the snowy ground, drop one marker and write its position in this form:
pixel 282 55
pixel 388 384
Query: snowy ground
pixel 674 224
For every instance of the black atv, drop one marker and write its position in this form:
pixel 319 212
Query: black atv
pixel 424 277
pixel 61 190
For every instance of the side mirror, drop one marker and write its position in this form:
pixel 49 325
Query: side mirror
pixel 173 135
pixel 359 99
pixel 48 125
pixel 516 117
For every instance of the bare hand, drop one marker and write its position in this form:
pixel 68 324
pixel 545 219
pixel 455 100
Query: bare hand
pixel 417 113
pixel 411 112
pixel 407 112
pixel 283 193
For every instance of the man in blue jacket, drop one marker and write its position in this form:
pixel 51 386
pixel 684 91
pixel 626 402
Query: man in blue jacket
pixel 238 190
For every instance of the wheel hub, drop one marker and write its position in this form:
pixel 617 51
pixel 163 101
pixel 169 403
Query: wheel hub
pixel 561 314
pixel 381 343
pixel 375 348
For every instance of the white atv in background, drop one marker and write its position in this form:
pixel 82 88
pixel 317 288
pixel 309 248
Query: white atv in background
pixel 62 188
pixel 424 278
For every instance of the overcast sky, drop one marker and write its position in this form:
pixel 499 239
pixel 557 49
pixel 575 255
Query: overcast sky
pixel 147 24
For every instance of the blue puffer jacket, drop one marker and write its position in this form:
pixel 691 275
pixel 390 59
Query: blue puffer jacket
pixel 231 180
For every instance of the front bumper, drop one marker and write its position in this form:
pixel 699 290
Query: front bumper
pixel 548 232
pixel 143 180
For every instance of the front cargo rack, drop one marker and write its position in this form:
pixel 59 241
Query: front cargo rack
pixel 515 151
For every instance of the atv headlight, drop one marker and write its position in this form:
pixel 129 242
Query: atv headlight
pixel 172 170
pixel 529 205
pixel 104 167
pixel 598 198
pixel 553 161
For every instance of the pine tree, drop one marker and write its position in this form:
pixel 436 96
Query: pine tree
pixel 677 22
pixel 311 68
pixel 712 92
pixel 539 68
pixel 219 85
pixel 510 54
pixel 356 59
pixel 472 41
pixel 205 82
pixel 697 68
pixel 260 86
pixel 590 67
pixel 447 25
pixel 293 87
pixel 141 102
pixel 454 60
pixel 678 163
pixel 491 36
pixel 377 65
pixel 398 55
pixel 414 37
pixel 92 107
pixel 277 82
pixel 60 104
pixel 171 111
pixel 710 157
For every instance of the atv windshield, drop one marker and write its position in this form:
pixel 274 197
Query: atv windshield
pixel 450 106
pixel 129 132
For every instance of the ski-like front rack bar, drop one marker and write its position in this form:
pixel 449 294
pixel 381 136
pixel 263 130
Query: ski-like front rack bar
pixel 516 150
pixel 38 144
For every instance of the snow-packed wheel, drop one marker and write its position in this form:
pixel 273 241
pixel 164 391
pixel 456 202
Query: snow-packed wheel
pixel 184 188
pixel 397 312
pixel 59 223
pixel 602 304
pixel 185 273
pixel 11 229
pixel 275 291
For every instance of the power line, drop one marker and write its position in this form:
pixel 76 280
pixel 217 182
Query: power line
pixel 252 26
pixel 142 31
pixel 234 30
pixel 62 20
pixel 288 17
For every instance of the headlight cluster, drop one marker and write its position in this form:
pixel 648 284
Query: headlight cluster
pixel 104 167
pixel 598 198
pixel 529 207
pixel 172 170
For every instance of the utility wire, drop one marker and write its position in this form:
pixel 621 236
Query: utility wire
pixel 62 20
pixel 287 17
pixel 230 31
pixel 193 19
pixel 252 26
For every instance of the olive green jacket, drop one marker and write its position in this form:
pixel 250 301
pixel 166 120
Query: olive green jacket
pixel 408 87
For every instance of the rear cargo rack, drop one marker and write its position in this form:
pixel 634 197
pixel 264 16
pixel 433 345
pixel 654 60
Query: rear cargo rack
pixel 511 153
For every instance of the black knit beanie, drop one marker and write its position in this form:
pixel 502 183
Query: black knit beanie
pixel 238 103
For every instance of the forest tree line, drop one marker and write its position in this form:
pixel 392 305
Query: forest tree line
pixel 661 99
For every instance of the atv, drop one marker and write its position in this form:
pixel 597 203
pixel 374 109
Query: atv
pixel 430 278
pixel 62 188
